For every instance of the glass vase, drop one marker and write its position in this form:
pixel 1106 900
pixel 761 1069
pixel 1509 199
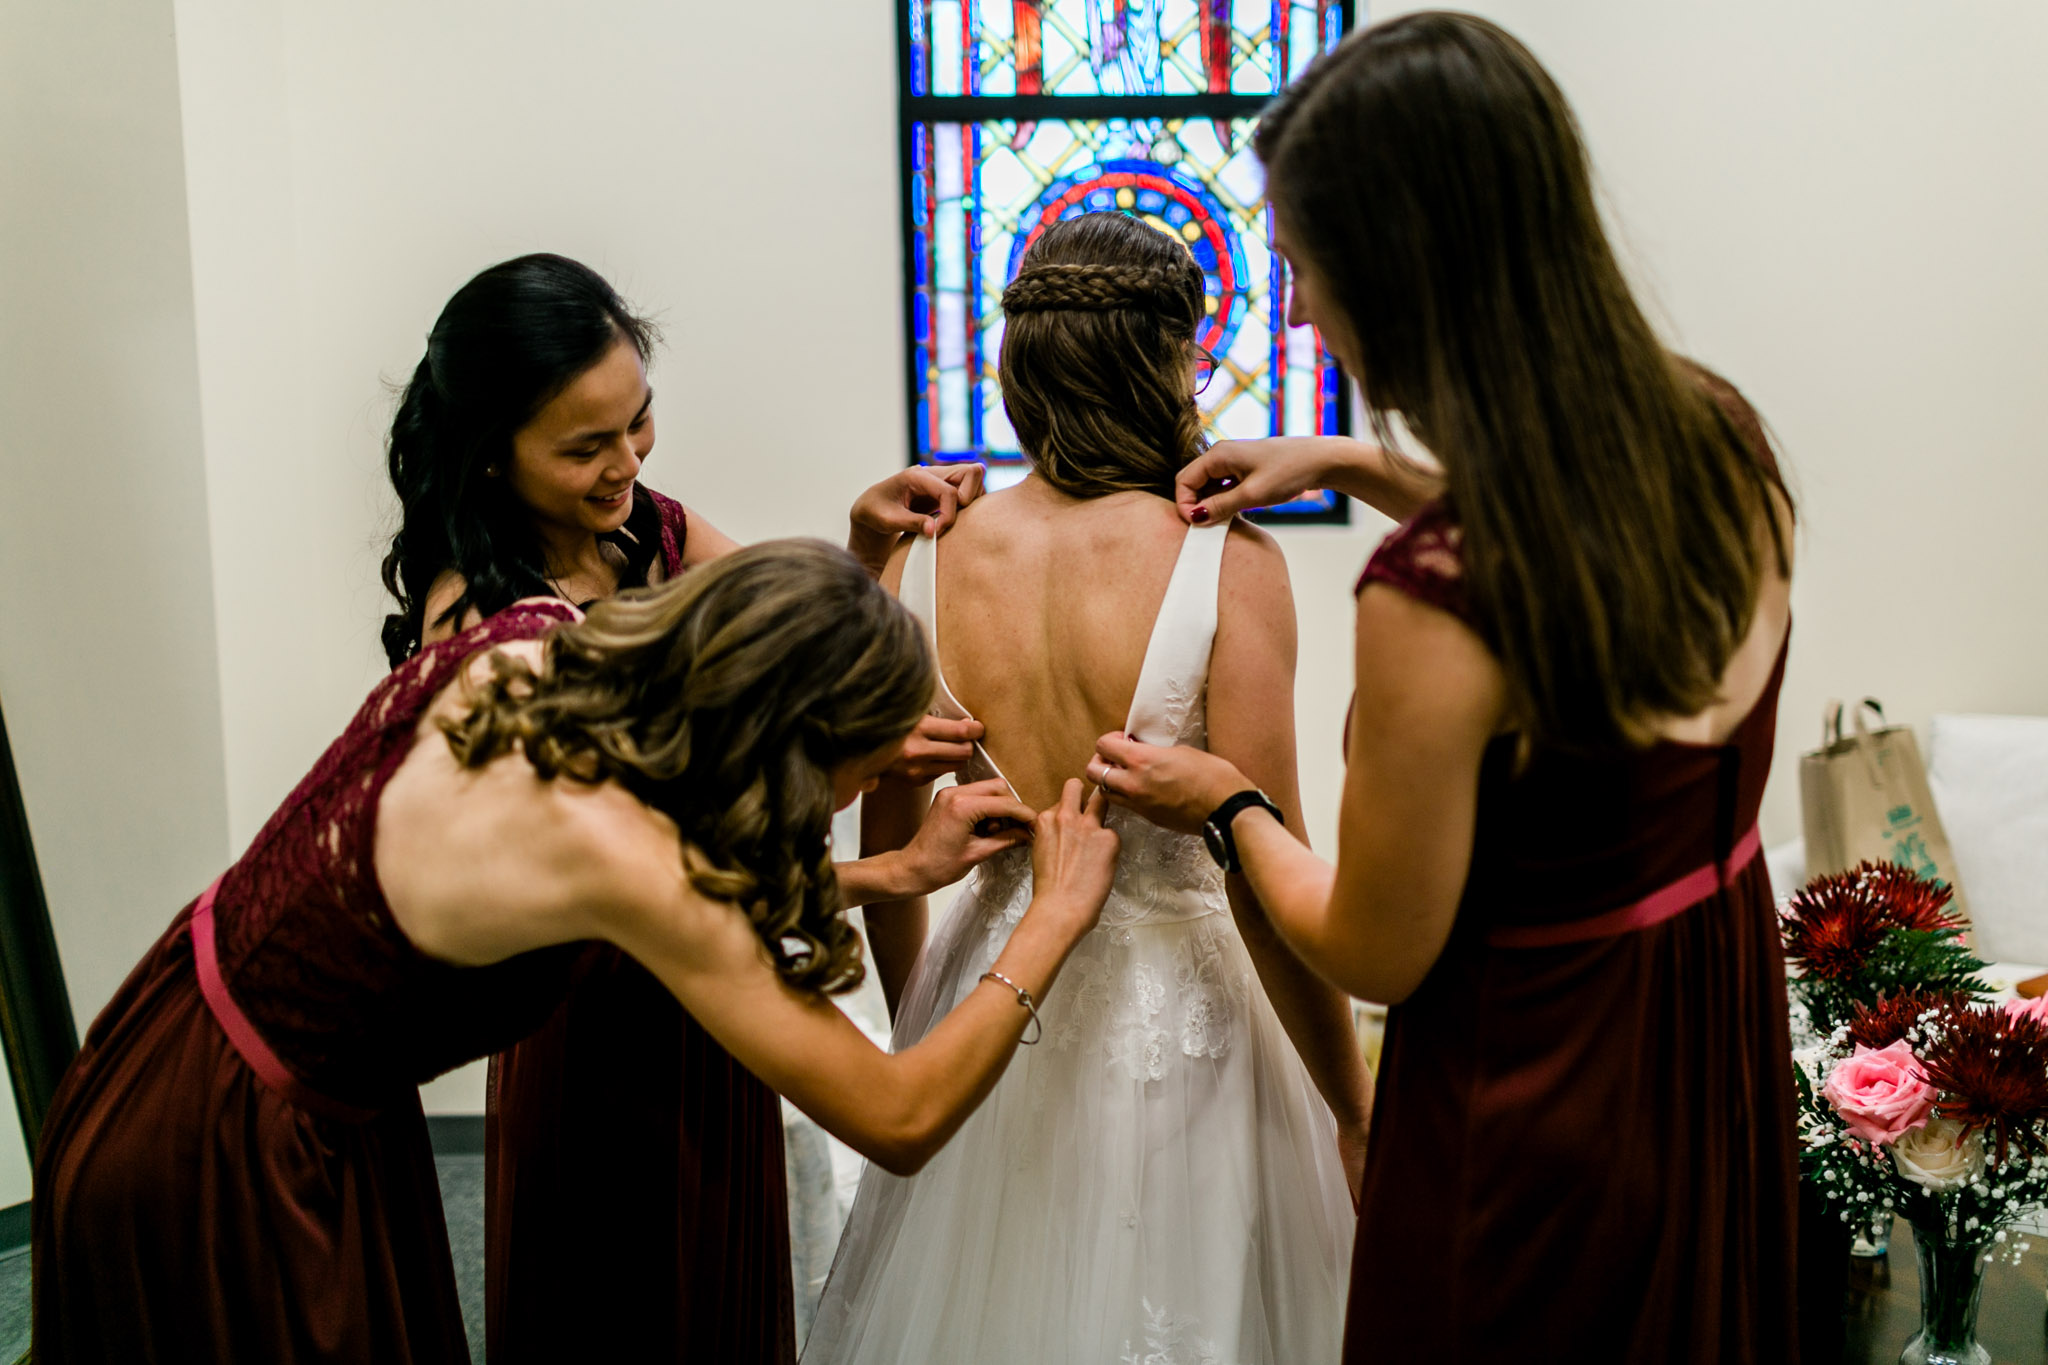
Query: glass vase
pixel 1873 1237
pixel 1951 1283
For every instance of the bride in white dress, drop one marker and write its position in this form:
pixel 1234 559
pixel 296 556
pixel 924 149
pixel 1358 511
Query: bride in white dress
pixel 1159 1180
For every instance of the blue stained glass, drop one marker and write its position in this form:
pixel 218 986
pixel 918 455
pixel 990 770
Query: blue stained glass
pixel 1186 178
pixel 1116 47
pixel 981 191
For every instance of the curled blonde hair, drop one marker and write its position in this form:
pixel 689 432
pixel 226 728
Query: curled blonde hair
pixel 725 699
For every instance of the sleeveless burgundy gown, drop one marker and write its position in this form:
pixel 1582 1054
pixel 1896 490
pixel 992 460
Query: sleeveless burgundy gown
pixel 235 1169
pixel 1583 1143
pixel 635 1198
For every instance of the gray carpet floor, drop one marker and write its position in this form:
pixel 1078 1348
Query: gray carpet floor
pixel 13 1304
pixel 462 1191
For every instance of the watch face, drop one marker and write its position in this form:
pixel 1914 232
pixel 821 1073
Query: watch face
pixel 1218 849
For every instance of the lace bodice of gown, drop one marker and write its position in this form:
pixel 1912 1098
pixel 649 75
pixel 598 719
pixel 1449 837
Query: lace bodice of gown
pixel 307 946
pixel 1161 876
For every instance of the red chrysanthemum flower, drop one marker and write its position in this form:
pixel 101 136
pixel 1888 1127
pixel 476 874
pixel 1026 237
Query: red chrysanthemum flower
pixel 1831 924
pixel 1992 1070
pixel 1912 901
pixel 1884 1023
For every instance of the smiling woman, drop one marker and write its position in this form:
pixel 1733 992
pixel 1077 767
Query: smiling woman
pixel 574 464
pixel 515 450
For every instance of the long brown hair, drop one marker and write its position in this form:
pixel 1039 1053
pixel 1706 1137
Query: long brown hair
pixel 1432 177
pixel 1096 364
pixel 725 698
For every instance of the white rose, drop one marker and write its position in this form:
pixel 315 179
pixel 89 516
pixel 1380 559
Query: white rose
pixel 1943 1155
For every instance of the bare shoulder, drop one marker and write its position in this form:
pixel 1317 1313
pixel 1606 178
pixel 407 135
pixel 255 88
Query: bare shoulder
pixel 447 590
pixel 705 541
pixel 1253 657
pixel 1251 555
pixel 629 855
pixel 639 891
pixel 448 585
pixel 1418 664
pixel 481 864
pixel 1255 599
pixel 467 685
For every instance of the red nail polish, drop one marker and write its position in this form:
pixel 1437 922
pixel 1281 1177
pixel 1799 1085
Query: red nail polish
pixel 1199 515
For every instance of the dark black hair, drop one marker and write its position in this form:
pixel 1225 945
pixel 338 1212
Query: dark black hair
pixel 507 343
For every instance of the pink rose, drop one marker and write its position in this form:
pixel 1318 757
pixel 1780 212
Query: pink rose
pixel 2036 1008
pixel 1879 1092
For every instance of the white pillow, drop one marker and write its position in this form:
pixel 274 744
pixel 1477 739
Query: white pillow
pixel 1787 863
pixel 1990 780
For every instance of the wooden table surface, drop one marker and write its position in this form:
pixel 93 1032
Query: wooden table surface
pixel 1883 1308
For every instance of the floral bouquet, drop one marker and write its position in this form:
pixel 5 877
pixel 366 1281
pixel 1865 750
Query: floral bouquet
pixel 1918 1098
pixel 1858 937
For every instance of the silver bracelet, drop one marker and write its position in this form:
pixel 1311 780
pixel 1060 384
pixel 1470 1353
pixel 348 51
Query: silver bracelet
pixel 1024 999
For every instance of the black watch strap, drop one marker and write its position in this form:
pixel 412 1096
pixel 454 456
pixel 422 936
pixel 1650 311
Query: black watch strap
pixel 1216 830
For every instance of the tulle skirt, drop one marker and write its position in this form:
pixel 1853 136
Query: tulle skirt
pixel 1156 1181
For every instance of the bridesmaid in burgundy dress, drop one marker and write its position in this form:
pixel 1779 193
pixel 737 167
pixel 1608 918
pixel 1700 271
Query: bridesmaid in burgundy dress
pixel 236 1168
pixel 635 1206
pixel 1568 662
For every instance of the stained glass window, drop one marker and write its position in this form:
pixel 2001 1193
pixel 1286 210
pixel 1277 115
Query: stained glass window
pixel 1019 113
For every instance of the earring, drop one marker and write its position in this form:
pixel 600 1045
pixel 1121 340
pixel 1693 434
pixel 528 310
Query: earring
pixel 490 471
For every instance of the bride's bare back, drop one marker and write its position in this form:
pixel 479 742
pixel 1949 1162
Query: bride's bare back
pixel 1045 605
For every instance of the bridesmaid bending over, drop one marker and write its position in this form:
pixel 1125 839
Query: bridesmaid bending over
pixel 635 1204
pixel 236 1167
pixel 1567 677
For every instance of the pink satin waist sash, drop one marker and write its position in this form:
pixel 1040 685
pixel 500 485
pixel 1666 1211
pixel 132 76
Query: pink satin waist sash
pixel 242 1035
pixel 1671 899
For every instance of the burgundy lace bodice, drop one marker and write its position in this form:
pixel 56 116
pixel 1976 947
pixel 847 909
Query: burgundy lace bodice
pixel 675 530
pixel 1423 557
pixel 307 945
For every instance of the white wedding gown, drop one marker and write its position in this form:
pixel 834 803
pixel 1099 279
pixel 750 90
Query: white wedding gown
pixel 1157 1181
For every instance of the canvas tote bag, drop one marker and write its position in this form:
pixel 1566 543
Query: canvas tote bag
pixel 1864 795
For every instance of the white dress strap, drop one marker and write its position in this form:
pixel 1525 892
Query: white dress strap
pixel 1177 655
pixel 919 592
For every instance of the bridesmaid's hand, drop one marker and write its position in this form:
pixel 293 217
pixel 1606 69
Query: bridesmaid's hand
pixel 920 500
pixel 1177 788
pixel 1236 476
pixel 1073 860
pixel 936 747
pixel 966 826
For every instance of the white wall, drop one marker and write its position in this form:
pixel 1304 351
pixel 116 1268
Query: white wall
pixel 350 166
pixel 1843 207
pixel 1840 206
pixel 107 663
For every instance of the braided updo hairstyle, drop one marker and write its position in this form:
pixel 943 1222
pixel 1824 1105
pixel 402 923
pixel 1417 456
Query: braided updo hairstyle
pixel 725 698
pixel 1098 349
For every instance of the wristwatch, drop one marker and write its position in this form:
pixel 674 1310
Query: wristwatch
pixel 1216 829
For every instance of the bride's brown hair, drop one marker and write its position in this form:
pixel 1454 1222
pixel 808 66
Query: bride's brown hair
pixel 1097 358
pixel 725 698
pixel 1617 521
